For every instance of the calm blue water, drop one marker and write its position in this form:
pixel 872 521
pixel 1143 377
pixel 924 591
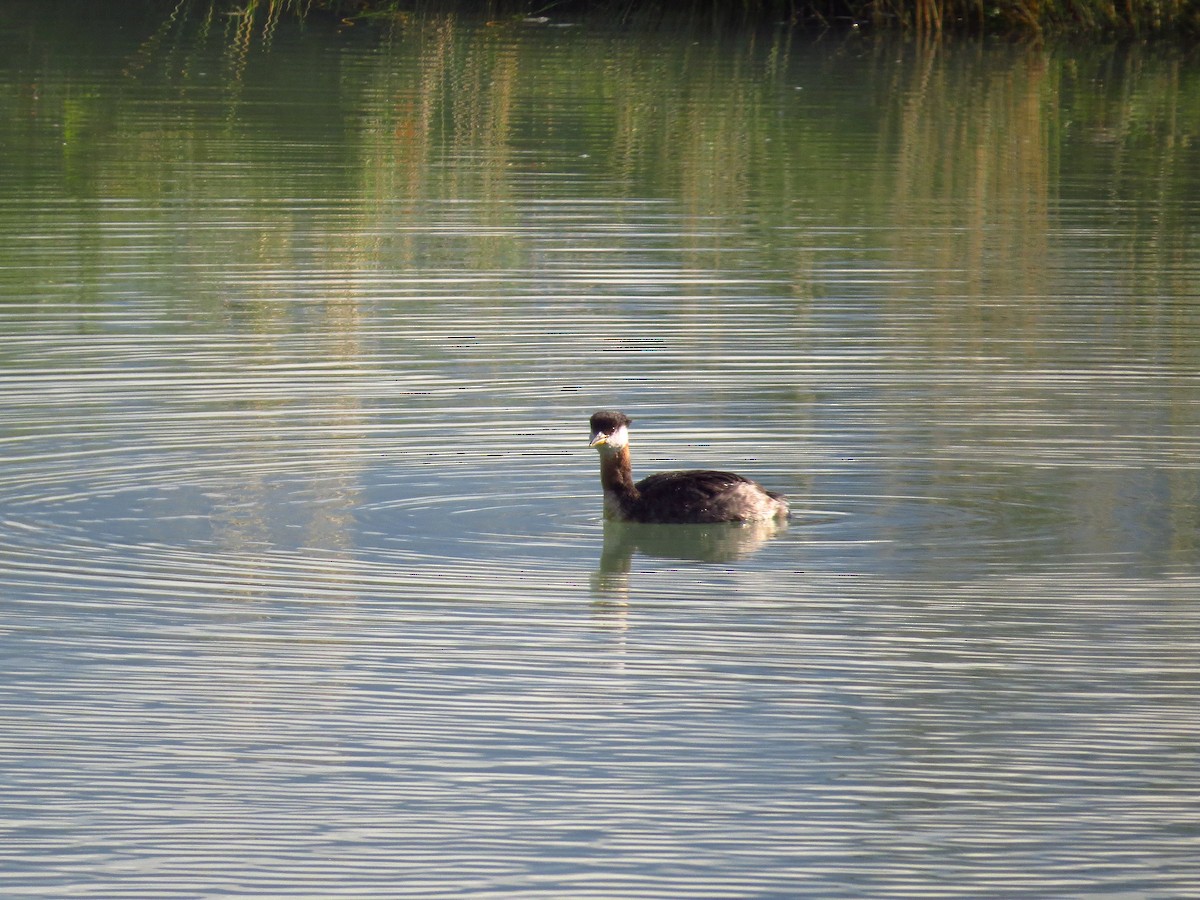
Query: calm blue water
pixel 304 588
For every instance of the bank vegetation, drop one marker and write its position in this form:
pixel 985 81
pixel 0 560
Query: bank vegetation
pixel 1020 18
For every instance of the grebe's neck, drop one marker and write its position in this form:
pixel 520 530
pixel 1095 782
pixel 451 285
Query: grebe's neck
pixel 616 477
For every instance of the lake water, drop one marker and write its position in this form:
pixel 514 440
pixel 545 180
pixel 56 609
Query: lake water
pixel 304 586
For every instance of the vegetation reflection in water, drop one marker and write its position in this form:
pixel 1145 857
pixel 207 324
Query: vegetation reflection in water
pixel 305 583
pixel 929 253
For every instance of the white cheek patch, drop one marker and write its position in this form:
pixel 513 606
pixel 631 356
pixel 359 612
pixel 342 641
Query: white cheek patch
pixel 619 438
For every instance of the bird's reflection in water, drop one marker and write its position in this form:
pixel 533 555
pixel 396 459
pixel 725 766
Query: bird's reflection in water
pixel 717 543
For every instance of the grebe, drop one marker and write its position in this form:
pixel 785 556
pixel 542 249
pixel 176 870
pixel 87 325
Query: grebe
pixel 675 498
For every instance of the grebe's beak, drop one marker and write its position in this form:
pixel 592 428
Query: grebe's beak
pixel 598 438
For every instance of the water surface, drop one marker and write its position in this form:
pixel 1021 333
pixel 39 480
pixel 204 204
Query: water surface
pixel 304 588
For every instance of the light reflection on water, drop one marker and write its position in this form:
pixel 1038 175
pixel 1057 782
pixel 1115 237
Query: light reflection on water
pixel 305 585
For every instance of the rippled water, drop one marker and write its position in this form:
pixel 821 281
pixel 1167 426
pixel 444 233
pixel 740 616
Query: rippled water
pixel 304 588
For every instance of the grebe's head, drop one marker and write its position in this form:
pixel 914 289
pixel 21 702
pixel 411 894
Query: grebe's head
pixel 610 430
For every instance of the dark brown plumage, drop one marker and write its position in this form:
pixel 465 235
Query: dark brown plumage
pixel 699 496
